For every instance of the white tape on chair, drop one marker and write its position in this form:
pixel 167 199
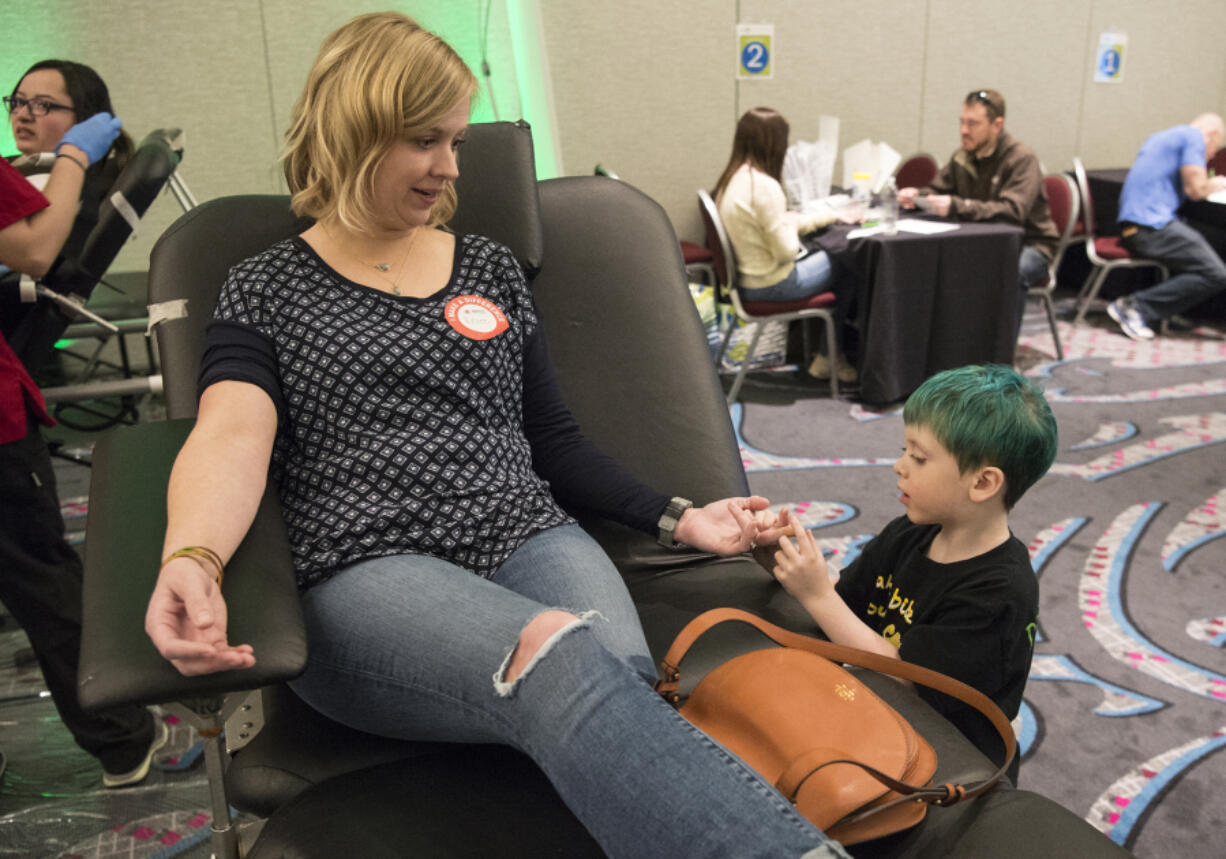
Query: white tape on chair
pixel 27 290
pixel 121 204
pixel 164 311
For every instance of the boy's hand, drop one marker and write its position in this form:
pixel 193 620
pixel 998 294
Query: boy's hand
pixel 801 569
pixel 771 527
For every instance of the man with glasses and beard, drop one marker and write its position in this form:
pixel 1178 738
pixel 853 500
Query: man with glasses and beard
pixel 993 177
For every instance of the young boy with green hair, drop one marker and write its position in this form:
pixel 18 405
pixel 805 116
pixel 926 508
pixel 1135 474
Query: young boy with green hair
pixel 946 586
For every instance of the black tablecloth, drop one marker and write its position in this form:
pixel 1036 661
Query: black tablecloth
pixel 926 303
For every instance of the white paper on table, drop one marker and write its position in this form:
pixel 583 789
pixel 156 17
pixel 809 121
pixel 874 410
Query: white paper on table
pixel 808 169
pixel 828 131
pixel 1217 196
pixel 863 232
pixel 827 203
pixel 857 158
pixel 878 160
pixel 886 161
pixel 924 228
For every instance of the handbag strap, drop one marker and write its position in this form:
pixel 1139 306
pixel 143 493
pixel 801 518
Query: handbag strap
pixel 943 795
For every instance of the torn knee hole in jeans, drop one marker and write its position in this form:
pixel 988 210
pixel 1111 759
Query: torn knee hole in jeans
pixel 505 688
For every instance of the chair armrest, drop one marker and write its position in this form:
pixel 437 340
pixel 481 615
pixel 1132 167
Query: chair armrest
pixel 126 523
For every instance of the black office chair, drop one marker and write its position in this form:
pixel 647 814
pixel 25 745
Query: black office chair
pixel 616 309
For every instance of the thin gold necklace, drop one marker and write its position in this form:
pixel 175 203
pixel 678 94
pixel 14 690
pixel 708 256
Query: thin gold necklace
pixel 381 268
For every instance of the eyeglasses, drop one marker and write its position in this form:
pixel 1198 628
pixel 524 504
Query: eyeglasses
pixel 37 106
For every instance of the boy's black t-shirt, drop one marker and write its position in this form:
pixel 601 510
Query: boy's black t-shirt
pixel 974 620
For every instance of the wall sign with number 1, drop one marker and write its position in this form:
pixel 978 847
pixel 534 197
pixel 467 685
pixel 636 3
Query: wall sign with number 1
pixel 1109 60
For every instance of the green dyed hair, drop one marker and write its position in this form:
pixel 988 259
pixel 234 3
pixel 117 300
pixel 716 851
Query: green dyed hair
pixel 988 415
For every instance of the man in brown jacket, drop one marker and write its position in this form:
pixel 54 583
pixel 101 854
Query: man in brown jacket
pixel 993 177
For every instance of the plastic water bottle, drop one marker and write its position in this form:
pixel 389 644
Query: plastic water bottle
pixel 861 197
pixel 889 207
pixel 860 185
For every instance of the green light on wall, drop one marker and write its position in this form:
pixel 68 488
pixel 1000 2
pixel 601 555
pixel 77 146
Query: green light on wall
pixel 522 92
pixel 29 36
pixel 535 87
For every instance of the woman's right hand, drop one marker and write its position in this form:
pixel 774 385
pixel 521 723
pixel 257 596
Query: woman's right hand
pixel 186 620
pixel 92 136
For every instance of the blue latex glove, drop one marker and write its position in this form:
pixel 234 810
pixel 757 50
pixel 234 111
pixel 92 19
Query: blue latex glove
pixel 94 136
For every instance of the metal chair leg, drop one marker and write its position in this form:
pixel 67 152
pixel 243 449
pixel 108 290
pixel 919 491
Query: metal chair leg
pixel 740 376
pixel 1051 320
pixel 832 355
pixel 723 349
pixel 208 716
pixel 1090 292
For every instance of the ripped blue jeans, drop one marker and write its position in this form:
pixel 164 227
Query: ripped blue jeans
pixel 412 647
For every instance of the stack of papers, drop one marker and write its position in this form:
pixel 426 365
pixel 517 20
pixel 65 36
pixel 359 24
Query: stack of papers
pixel 905 225
pixel 878 160
pixel 808 167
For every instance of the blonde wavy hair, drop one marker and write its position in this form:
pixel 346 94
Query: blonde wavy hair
pixel 377 79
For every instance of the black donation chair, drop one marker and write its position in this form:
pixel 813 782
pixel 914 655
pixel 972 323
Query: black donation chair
pixel 63 293
pixel 611 290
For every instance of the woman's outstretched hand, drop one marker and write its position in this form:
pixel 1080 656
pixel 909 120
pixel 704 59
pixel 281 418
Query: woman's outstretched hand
pixel 727 527
pixel 186 620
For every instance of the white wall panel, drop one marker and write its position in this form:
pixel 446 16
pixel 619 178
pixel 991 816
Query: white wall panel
pixel 648 88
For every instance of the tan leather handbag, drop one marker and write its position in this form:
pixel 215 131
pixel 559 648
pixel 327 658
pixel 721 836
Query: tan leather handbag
pixel 848 761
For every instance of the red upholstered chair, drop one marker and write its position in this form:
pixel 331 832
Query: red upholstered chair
pixel 815 307
pixel 699 262
pixel 1105 253
pixel 917 171
pixel 1065 210
pixel 1217 164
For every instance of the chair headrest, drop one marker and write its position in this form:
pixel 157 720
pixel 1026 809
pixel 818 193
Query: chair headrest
pixel 497 190
pixel 497 198
pixel 124 203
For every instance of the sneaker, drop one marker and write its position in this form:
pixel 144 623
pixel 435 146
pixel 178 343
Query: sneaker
pixel 161 734
pixel 819 368
pixel 1125 313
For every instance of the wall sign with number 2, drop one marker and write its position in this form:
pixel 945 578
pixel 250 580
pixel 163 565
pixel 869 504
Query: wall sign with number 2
pixel 754 45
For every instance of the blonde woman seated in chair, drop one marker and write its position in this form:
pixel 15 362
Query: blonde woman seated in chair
pixel 447 595
pixel 766 236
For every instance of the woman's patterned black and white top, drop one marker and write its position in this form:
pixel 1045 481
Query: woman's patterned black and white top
pixel 410 425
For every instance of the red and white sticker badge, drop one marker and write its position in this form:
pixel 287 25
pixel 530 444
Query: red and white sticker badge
pixel 475 317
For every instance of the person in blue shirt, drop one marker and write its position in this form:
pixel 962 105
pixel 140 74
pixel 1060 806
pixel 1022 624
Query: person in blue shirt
pixel 1169 168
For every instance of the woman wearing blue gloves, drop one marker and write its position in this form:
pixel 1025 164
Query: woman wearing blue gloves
pixel 40 574
pixel 31 243
pixel 64 108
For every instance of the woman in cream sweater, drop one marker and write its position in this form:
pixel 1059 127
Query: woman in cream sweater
pixel 765 235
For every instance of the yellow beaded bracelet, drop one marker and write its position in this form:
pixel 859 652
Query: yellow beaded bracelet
pixel 198 552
